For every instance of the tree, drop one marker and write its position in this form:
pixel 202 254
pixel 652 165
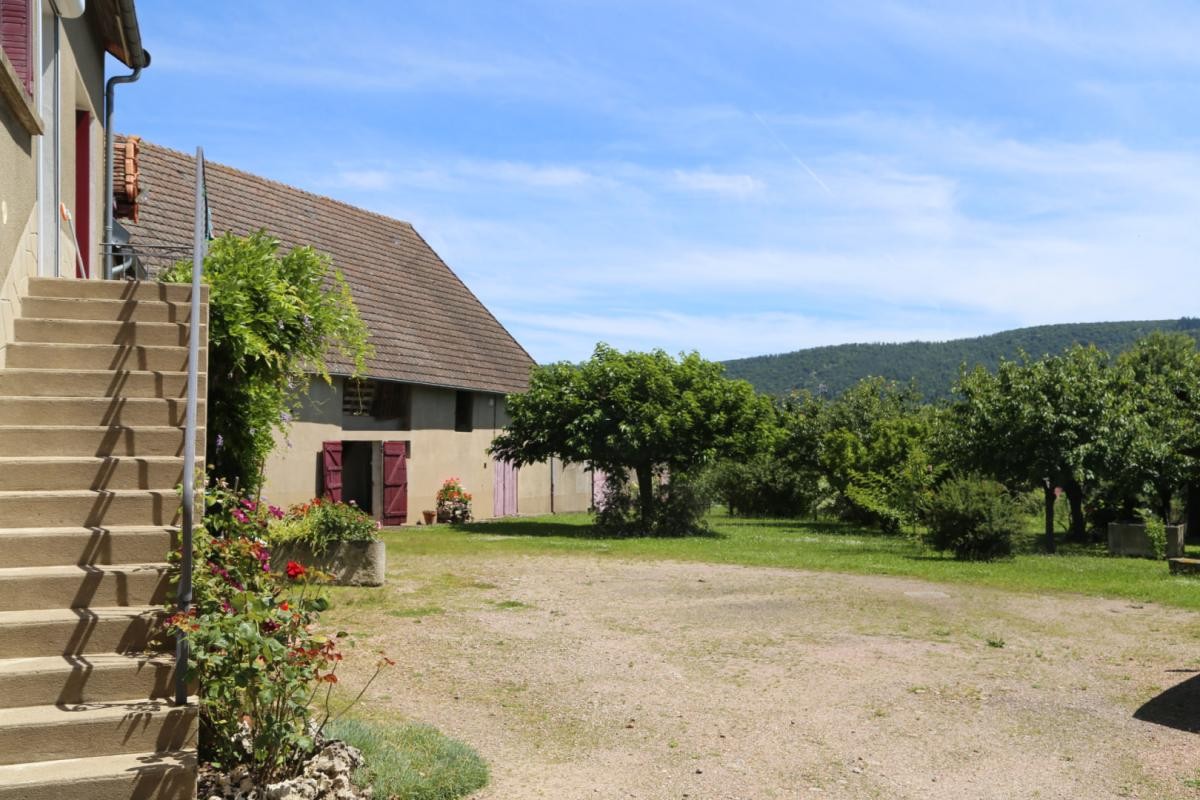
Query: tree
pixel 642 412
pixel 1038 424
pixel 872 448
pixel 273 321
pixel 1158 383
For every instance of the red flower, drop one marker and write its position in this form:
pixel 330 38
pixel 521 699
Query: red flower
pixel 295 570
pixel 283 606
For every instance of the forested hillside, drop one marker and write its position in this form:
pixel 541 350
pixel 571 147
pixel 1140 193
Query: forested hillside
pixel 933 365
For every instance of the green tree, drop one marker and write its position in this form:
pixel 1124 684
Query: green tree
pixel 1158 388
pixel 872 448
pixel 273 321
pixel 647 413
pixel 1038 424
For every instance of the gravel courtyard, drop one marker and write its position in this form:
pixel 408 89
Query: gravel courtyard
pixel 591 677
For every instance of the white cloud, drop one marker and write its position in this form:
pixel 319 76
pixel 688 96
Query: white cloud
pixel 731 185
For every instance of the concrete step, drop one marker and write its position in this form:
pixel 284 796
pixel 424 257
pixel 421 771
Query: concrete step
pixel 94 383
pixel 100 356
pixel 30 473
pixel 127 411
pixel 66 331
pixel 134 776
pixel 48 547
pixel 113 290
pixel 95 442
pixel 92 441
pixel 88 508
pixel 46 733
pixel 107 310
pixel 75 631
pixel 58 680
pixel 28 588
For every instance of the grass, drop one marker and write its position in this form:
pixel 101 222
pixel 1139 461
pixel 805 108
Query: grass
pixel 411 761
pixel 825 546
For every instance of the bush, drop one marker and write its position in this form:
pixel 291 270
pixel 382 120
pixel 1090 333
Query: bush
pixel 412 761
pixel 264 675
pixel 974 518
pixel 763 486
pixel 679 508
pixel 273 320
pixel 318 524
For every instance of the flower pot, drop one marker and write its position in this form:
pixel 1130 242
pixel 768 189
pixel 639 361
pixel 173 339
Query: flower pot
pixel 428 515
pixel 443 516
pixel 352 563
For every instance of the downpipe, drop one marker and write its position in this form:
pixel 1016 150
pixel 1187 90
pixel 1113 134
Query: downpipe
pixel 110 91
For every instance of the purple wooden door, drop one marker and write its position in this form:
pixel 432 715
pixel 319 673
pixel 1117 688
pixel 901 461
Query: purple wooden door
pixel 331 470
pixel 504 489
pixel 395 483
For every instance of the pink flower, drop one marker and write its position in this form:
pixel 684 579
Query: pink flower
pixel 240 515
pixel 276 512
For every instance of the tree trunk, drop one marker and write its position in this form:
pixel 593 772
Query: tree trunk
pixel 1193 510
pixel 1164 504
pixel 645 479
pixel 1075 498
pixel 1049 490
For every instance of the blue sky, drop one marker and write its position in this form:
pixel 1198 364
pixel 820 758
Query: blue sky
pixel 735 178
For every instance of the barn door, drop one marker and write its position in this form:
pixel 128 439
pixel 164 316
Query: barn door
pixel 331 470
pixel 504 489
pixel 395 483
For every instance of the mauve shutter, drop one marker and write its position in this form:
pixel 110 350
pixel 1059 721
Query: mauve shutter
pixel 331 462
pixel 16 38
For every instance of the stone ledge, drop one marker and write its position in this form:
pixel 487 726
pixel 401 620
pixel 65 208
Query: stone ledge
pixel 352 563
pixel 1185 566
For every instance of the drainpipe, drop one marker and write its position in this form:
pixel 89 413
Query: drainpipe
pixel 110 91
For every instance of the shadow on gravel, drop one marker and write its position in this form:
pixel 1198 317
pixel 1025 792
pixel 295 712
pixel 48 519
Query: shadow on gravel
pixel 1177 707
pixel 566 530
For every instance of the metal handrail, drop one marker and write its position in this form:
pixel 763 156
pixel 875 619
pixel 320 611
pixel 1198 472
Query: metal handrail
pixel 189 442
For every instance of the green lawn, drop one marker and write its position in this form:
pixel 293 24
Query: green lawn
pixel 825 546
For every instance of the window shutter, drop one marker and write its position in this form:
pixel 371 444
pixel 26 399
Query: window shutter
pixel 331 470
pixel 395 483
pixel 16 39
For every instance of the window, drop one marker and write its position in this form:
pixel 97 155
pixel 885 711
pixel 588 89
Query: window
pixel 357 397
pixel 16 39
pixel 464 408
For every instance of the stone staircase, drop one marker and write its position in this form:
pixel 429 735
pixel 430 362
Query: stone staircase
pixel 92 405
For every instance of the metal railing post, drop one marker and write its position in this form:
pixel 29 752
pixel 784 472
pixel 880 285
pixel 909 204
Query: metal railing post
pixel 189 443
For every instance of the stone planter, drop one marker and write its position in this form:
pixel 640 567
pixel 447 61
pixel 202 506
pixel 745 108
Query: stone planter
pixel 352 563
pixel 1131 539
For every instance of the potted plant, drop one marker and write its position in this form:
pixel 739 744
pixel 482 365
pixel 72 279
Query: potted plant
pixel 453 502
pixel 339 538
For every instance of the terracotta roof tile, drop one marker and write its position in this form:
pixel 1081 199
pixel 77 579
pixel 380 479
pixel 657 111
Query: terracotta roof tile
pixel 425 324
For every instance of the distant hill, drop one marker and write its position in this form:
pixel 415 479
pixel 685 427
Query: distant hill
pixel 933 365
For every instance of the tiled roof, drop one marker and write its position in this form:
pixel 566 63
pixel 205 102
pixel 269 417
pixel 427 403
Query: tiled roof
pixel 425 324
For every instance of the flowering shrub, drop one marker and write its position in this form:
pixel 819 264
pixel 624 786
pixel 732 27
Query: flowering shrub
pixel 264 674
pixel 320 523
pixel 453 502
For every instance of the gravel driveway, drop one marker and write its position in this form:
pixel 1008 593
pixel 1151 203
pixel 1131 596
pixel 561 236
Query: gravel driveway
pixel 590 677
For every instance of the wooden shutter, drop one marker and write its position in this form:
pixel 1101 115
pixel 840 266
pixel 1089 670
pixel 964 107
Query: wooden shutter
pixel 395 483
pixel 16 39
pixel 331 470
pixel 83 192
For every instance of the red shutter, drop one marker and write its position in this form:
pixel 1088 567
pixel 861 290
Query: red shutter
pixel 83 192
pixel 331 470
pixel 16 39
pixel 395 483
